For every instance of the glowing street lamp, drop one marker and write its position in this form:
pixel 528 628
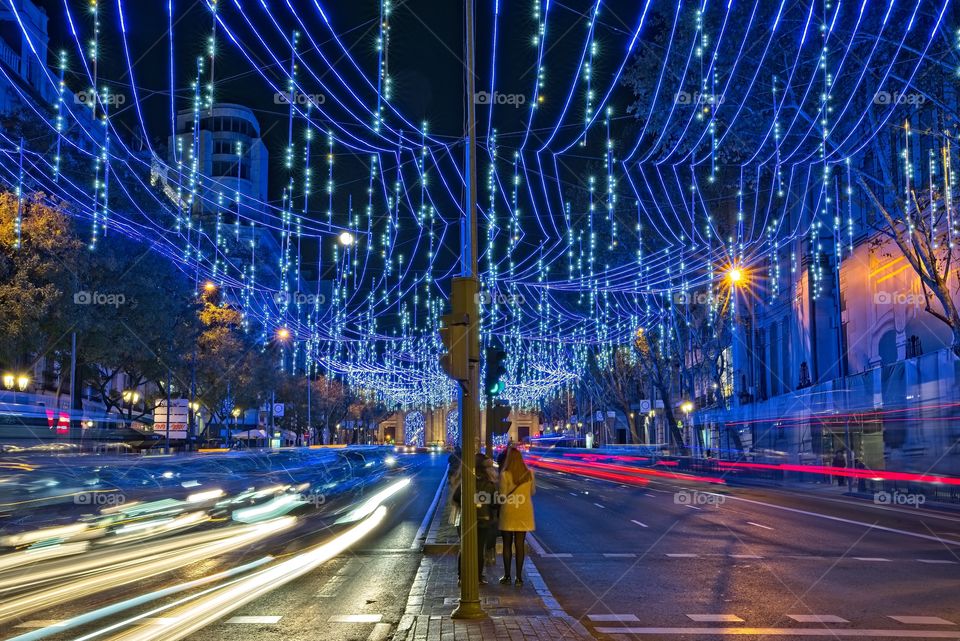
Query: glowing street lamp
pixel 130 396
pixel 346 239
pixel 21 381
pixel 735 275
pixel 9 380
pixel 283 334
pixel 687 407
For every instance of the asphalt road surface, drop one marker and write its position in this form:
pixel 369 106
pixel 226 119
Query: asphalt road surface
pixel 360 593
pixel 678 560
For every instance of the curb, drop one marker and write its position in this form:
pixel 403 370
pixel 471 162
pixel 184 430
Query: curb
pixel 430 544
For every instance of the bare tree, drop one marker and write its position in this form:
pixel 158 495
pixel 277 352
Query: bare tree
pixel 918 225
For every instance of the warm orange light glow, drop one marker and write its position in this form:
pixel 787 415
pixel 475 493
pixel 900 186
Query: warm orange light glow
pixel 209 286
pixel 735 275
pixel 283 333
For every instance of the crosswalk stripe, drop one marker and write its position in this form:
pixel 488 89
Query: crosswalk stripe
pixel 871 558
pixel 682 556
pixel 746 556
pixel 639 523
pixel 356 618
pixel 783 632
pixel 617 555
pixel 765 527
pixel 613 618
pixel 817 618
pixel 254 619
pixel 937 561
pixel 556 555
pixel 914 620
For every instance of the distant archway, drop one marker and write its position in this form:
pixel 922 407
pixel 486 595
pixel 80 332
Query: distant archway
pixel 414 429
pixel 453 427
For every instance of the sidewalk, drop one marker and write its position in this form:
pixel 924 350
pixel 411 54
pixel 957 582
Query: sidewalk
pixel 529 613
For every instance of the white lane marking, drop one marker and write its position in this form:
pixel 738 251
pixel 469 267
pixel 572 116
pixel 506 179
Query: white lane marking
pixel 573 494
pixel 692 507
pixel 872 558
pixel 356 618
pixel 269 620
pixel 613 618
pixel 817 618
pixel 600 506
pixel 682 556
pixel 913 620
pixel 869 526
pixel 746 556
pixel 617 555
pixel 639 523
pixel 715 618
pixel 556 555
pixel 784 632
pixel 937 561
pixel 651 495
pixel 40 623
pixel 765 527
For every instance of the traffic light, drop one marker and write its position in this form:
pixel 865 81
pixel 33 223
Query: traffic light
pixel 493 383
pixel 498 422
pixel 454 333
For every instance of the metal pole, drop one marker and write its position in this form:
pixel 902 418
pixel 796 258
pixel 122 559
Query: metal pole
pixel 849 455
pixel 469 607
pixel 74 392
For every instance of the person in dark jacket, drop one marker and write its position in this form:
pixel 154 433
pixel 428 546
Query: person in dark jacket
pixel 840 461
pixel 487 510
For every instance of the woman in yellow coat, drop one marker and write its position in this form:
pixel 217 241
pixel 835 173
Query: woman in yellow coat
pixel 516 511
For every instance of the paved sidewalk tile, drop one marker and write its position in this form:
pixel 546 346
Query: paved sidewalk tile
pixel 529 613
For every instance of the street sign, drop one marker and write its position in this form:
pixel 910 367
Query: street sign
pixel 643 406
pixel 278 410
pixel 179 413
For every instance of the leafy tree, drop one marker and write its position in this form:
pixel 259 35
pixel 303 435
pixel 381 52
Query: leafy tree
pixel 35 278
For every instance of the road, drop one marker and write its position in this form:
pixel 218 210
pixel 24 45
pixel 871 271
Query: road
pixel 359 593
pixel 686 560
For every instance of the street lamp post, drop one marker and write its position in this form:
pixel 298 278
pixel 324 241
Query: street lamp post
pixel 236 415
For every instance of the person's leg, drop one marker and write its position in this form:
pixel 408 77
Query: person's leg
pixel 520 541
pixel 507 555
